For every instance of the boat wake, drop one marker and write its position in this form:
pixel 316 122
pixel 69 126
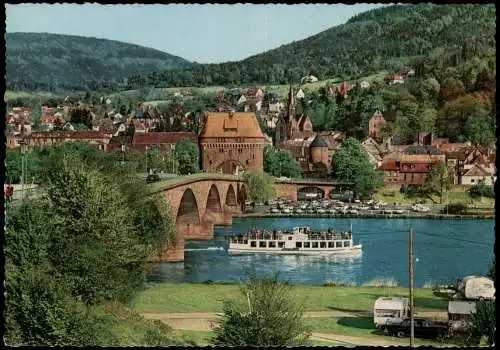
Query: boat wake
pixel 203 249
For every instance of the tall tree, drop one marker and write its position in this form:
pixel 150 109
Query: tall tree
pixel 351 163
pixel 440 179
pixel 480 127
pixel 188 157
pixel 260 186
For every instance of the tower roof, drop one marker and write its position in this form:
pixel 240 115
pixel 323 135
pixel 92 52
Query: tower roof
pixel 319 141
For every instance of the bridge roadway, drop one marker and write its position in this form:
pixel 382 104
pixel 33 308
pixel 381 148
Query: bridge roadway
pixel 200 201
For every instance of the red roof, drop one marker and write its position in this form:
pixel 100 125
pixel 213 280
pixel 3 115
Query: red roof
pixel 343 88
pixel 79 135
pixel 157 138
pixel 389 164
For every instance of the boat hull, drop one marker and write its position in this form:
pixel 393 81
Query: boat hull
pixel 354 250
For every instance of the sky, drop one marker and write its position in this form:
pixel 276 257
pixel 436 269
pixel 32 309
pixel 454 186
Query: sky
pixel 202 33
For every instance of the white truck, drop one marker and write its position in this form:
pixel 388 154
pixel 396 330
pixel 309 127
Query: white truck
pixel 390 310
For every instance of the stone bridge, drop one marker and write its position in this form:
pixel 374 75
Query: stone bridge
pixel 200 201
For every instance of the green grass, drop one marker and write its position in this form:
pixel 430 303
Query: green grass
pixel 209 298
pixel 199 338
pixel 11 95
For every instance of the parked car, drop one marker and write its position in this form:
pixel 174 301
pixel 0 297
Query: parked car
pixel 152 178
pixel 423 328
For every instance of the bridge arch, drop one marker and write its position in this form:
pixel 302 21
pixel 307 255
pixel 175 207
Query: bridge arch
pixel 231 196
pixel 213 201
pixel 310 192
pixel 188 209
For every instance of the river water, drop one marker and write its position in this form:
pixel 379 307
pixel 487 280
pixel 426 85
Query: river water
pixel 445 250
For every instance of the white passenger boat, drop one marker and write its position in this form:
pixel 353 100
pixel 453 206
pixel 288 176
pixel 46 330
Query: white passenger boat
pixel 299 241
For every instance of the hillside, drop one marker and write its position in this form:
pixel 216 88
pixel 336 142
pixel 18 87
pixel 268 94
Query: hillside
pixel 387 38
pixel 53 62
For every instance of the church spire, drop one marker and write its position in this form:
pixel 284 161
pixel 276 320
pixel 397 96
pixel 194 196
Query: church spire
pixel 291 103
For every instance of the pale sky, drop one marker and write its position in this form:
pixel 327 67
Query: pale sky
pixel 201 33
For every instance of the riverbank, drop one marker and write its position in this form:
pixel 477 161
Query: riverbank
pixel 370 216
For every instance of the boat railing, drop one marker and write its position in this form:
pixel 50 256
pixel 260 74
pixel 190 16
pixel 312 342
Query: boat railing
pixel 276 236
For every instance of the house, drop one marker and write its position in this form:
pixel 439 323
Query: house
pixel 364 84
pixel 242 99
pixel 275 107
pixel 474 173
pixel 105 125
pixel 375 151
pixel 271 121
pixel 299 93
pixel 141 141
pixel 374 124
pixel 309 79
pixel 394 79
pixel 51 138
pixel 51 121
pixel 343 89
pixel 411 166
pixel 231 143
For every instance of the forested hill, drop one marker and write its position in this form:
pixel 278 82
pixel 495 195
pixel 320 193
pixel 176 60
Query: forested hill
pixel 53 62
pixel 387 38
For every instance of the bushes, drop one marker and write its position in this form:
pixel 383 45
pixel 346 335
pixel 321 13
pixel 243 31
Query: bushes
pixel 454 208
pixel 481 189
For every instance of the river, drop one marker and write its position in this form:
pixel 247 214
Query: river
pixel 445 250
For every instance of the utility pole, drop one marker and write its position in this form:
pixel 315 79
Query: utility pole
pixel 412 328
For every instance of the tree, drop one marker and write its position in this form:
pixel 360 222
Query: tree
pixel 81 116
pixel 188 157
pixel 94 231
pixel 483 323
pixel 320 170
pixel 260 186
pixel 439 180
pixel 266 315
pixel 480 127
pixel 481 189
pixel 39 308
pixel 351 163
pixel 280 163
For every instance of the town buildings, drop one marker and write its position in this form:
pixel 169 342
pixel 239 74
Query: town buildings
pixel 231 142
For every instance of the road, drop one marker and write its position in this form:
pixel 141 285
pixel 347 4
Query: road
pixel 203 321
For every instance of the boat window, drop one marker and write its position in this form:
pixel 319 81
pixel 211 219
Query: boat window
pixel 346 243
pixel 272 244
pixel 331 245
pixel 315 244
pixel 245 241
pixel 298 244
pixel 322 244
pixel 289 238
pixel 281 244
pixel 338 244
pixel 307 244
pixel 262 244
pixel 253 244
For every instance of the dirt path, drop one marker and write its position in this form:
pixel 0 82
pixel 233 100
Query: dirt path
pixel 203 321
